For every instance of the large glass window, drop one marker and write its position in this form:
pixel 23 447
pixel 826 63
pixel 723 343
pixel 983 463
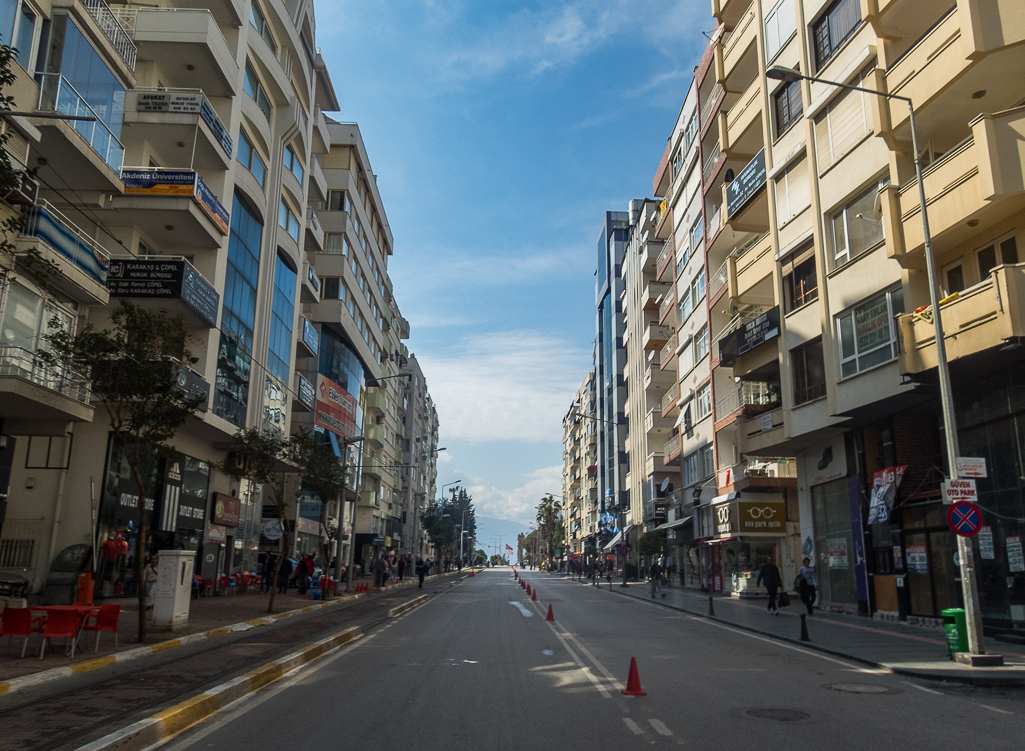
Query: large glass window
pixel 292 164
pixel 249 158
pixel 868 333
pixel 855 228
pixel 288 221
pixel 279 350
pixel 833 27
pixel 234 356
pixel 257 19
pixel 24 35
pixel 337 200
pixel 252 86
pixel 1003 251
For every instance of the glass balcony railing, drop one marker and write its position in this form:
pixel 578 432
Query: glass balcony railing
pixel 56 94
pixel 46 223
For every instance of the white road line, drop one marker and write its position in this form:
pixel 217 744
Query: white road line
pixel 994 709
pixel 563 636
pixel 634 727
pixel 660 727
pixel 522 608
pixel 921 688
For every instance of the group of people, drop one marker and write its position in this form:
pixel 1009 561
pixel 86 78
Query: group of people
pixel 805 584
pixel 398 567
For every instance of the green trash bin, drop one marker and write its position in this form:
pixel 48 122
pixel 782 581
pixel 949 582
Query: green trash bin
pixel 956 627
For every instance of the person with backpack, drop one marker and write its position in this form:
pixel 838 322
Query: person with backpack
pixel 773 581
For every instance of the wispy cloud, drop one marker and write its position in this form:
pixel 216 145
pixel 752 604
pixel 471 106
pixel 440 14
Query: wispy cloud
pixel 511 385
pixel 517 504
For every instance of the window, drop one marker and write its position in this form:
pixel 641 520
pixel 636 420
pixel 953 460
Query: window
pixel 279 349
pixel 845 123
pixel 337 200
pixel 701 343
pixel 697 287
pixel 355 224
pixel 257 19
pixel 953 275
pixel 788 105
pixel 868 334
pixel 24 35
pixel 252 86
pixel 690 133
pixel 249 158
pixel 833 28
pixel 686 362
pixel 292 164
pixel 793 194
pixel 697 466
pixel 287 220
pixel 336 244
pixel 780 25
pixel 809 369
pixel 703 402
pixel 1004 250
pixel 685 306
pixel 677 163
pixel 800 284
pixel 697 232
pixel 332 288
pixel 855 228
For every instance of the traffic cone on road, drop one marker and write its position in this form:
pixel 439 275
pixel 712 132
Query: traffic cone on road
pixel 550 616
pixel 523 584
pixel 533 596
pixel 633 681
pixel 610 585
pixel 528 589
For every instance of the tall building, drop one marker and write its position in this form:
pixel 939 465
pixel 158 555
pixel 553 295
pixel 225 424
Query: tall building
pixel 420 458
pixel 210 185
pixel 580 471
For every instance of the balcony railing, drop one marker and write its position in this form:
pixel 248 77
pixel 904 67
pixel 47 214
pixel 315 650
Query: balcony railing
pixel 669 398
pixel 668 301
pixel 749 393
pixel 672 446
pixel 719 278
pixel 668 351
pixel 664 257
pixel 22 363
pixel 56 94
pixel 709 106
pixel 46 223
pixel 711 161
pixel 114 29
pixel 764 467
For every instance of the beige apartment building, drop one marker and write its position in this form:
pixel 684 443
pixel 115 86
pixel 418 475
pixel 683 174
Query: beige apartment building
pixel 210 185
pixel 823 362
pixel 579 474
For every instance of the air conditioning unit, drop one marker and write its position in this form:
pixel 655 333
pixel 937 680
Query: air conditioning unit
pixel 26 194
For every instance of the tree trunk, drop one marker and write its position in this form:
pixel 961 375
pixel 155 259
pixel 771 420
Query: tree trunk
pixel 277 566
pixel 140 548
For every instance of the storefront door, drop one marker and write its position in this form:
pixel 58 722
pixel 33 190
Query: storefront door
pixel 934 581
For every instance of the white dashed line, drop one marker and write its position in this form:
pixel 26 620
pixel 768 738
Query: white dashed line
pixel 660 727
pixel 921 688
pixel 994 709
pixel 634 727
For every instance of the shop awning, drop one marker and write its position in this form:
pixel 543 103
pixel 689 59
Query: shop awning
pixel 675 524
pixel 724 498
pixel 620 537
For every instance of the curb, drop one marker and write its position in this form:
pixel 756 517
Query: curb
pixel 45 676
pixel 169 722
pixel 972 680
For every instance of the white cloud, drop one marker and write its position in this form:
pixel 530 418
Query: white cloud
pixel 518 504
pixel 511 385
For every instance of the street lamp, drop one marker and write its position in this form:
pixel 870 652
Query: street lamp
pixel 344 444
pixel 969 586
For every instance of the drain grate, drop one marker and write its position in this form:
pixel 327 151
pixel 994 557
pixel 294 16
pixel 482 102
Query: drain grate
pixel 780 715
pixel 862 688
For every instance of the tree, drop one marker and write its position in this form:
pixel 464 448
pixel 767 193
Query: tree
pixel 133 367
pixel 549 512
pixel 262 459
pixel 652 543
pixel 323 473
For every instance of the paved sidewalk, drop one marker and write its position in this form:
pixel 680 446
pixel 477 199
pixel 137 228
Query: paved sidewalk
pixel 207 615
pixel 900 648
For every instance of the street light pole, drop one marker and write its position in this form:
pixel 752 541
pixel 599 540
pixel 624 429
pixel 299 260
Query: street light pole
pixel 345 443
pixel 969 585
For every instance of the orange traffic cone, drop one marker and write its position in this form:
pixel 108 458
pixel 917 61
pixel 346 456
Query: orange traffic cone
pixel 610 585
pixel 523 584
pixel 550 616
pixel 633 682
pixel 528 589
pixel 533 596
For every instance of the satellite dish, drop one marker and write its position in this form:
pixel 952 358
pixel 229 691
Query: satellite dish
pixel 664 485
pixel 877 206
pixel 728 177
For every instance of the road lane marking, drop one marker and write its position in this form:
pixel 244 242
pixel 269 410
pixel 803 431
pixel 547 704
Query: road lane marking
pixel 634 727
pixel 921 688
pixel 994 709
pixel 522 608
pixel 660 727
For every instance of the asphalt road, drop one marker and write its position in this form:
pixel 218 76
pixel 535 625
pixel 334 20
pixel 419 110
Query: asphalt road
pixel 478 667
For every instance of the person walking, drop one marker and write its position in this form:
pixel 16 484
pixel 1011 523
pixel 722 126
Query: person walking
pixel 770 575
pixel 807 581
pixel 421 572
pixel 267 573
pixel 596 572
pixel 655 572
pixel 380 567
pixel 284 575
pixel 402 568
pixel 149 580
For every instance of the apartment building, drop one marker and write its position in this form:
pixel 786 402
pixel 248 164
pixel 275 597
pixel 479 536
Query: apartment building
pixel 580 471
pixel 820 318
pixel 210 185
pixel 419 459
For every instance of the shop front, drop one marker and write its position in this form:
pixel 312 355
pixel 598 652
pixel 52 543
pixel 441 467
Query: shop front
pixel 746 532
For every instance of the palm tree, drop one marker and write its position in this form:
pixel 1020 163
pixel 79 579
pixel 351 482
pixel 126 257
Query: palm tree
pixel 547 513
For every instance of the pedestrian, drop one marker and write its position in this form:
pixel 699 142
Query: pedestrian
pixel 773 581
pixel 596 572
pixel 421 572
pixel 303 571
pixel 380 567
pixel 393 567
pixel 149 580
pixel 807 581
pixel 284 575
pixel 267 573
pixel 402 568
pixel 655 572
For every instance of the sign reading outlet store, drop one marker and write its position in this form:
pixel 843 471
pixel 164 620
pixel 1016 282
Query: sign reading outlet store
pixel 750 517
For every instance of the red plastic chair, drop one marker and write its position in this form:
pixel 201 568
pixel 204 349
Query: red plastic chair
pixel 19 622
pixel 208 587
pixel 105 620
pixel 60 624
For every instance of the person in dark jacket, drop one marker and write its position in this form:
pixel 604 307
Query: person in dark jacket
pixel 284 575
pixel 267 573
pixel 421 571
pixel 773 581
pixel 655 572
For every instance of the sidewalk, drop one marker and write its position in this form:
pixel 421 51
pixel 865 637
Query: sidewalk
pixel 908 650
pixel 208 617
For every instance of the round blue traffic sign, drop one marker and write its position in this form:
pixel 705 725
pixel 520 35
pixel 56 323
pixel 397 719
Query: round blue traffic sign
pixel 964 518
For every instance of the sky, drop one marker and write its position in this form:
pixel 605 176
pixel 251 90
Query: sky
pixel 500 133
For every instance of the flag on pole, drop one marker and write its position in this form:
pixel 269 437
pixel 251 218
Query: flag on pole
pixel 508 548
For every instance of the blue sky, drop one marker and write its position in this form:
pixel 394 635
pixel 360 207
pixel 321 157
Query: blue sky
pixel 500 132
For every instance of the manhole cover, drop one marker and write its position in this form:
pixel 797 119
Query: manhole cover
pixel 862 688
pixel 782 715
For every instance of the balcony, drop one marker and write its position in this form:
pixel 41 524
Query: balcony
pixel 711 160
pixel 37 398
pixel 652 292
pixel 667 357
pixel 172 119
pixel 656 336
pixel 654 376
pixel 743 124
pixel 671 450
pixel 174 205
pixel 669 400
pixel 667 306
pixel 729 12
pixel 170 285
pixel 665 259
pixel 985 316
pixel 309 288
pixel 227 13
pixel 763 433
pixel 745 198
pixel 759 472
pixel 95 168
pixel 739 41
pixel 654 464
pixel 747 400
pixel 187 44
pixel 377 401
pixel 711 104
pixel 83 262
pixel 377 434
pixel 115 32
pixel 655 424
pixel 718 280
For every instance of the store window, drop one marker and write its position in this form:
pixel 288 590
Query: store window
pixel 834 542
pixel 868 333
pixel 780 26
pixel 249 158
pixel 279 349
pixel 788 106
pixel 855 227
pixel 809 368
pixel 800 282
pixel 833 28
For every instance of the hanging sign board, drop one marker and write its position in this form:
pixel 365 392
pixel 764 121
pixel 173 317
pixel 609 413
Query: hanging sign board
pixel 971 466
pixel 959 490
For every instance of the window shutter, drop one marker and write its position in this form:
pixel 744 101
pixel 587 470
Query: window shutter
pixel 842 126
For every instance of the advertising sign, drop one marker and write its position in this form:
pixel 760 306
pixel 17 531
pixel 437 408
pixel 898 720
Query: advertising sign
pixel 918 561
pixel 154 278
pixel 159 182
pixel 872 325
pixel 836 552
pixel 959 490
pixel 760 517
pixel 986 551
pixel 1015 560
pixel 226 510
pixel 829 464
pixel 971 466
pixel 745 186
pixel 311 338
pixel 723 520
pixel 186 102
pixel 307 393
pixel 193 384
pixel 209 203
pixel 752 334
pixel 884 492
pixel 335 408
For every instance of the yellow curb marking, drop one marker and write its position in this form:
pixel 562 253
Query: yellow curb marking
pixel 85 667
pixel 4 688
pixel 218 631
pixel 169 644
pixel 189 712
pixel 263 676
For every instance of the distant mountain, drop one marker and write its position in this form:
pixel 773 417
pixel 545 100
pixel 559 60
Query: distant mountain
pixel 489 528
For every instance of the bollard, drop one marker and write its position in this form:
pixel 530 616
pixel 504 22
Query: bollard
pixel 804 627
pixel 711 606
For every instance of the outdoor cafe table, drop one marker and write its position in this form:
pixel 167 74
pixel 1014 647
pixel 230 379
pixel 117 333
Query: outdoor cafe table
pixel 83 612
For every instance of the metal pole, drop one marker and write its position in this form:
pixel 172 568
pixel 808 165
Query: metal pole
pixel 966 554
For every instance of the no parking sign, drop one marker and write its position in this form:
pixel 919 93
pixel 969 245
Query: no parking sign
pixel 964 518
